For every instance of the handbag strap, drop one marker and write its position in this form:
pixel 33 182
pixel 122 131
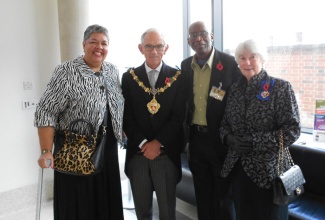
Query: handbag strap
pixel 104 125
pixel 283 150
pixel 88 123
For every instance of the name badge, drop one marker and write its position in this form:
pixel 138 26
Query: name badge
pixel 217 93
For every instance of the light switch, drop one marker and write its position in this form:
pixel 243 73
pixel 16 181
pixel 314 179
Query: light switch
pixel 27 85
pixel 28 104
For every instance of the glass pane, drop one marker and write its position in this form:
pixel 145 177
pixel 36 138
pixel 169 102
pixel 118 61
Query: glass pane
pixel 200 11
pixel 126 20
pixel 293 32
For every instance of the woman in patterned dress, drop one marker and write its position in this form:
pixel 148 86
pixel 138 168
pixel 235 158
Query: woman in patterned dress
pixel 258 107
pixel 76 91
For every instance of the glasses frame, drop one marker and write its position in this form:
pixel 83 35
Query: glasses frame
pixel 149 47
pixel 201 34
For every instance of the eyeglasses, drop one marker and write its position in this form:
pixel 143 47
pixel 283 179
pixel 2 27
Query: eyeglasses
pixel 149 47
pixel 202 34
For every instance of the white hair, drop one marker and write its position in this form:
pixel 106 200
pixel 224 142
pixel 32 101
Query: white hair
pixel 152 30
pixel 252 47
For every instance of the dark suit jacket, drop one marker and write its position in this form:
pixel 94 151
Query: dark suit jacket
pixel 215 108
pixel 166 125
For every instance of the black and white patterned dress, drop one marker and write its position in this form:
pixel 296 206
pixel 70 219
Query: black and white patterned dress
pixel 76 92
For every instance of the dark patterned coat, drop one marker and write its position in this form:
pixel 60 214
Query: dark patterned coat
pixel 247 112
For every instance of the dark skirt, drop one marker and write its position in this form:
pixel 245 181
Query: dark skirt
pixel 252 202
pixel 90 197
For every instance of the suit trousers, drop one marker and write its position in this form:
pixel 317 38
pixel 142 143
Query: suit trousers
pixel 213 193
pixel 252 202
pixel 146 176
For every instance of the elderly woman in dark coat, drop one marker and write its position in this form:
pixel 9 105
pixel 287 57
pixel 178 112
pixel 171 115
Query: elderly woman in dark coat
pixel 258 107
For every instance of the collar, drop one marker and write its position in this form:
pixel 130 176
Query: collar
pixel 255 81
pixel 257 78
pixel 148 69
pixel 209 61
pixel 85 70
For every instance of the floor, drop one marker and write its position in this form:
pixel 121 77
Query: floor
pixel 28 212
pixel 20 204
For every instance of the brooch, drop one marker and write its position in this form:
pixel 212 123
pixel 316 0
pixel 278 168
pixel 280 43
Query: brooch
pixel 167 81
pixel 219 66
pixel 266 87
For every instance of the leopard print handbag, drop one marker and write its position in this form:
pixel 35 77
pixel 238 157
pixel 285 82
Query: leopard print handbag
pixel 79 154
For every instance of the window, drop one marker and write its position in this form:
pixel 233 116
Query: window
pixel 290 29
pixel 126 20
pixel 295 39
pixel 199 11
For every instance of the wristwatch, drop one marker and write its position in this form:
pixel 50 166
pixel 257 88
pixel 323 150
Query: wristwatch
pixel 45 151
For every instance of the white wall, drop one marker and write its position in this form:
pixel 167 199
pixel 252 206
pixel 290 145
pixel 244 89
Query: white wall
pixel 29 43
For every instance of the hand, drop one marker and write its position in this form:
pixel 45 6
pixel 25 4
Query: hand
pixel 241 143
pixel 230 140
pixel 46 160
pixel 246 140
pixel 245 143
pixel 151 149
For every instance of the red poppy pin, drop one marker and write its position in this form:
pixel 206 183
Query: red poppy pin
pixel 219 66
pixel 266 87
pixel 167 80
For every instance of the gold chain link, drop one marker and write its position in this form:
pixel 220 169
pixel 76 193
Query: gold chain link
pixel 283 150
pixel 155 91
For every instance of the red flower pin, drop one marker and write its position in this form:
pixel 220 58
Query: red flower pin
pixel 219 66
pixel 266 87
pixel 167 80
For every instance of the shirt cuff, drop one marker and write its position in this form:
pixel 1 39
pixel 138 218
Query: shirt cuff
pixel 142 143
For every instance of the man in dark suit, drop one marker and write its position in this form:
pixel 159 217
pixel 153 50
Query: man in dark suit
pixel 153 123
pixel 209 73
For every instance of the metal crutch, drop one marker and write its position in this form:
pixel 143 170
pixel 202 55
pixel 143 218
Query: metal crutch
pixel 128 197
pixel 40 191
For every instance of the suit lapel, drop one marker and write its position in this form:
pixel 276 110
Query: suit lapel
pixel 163 74
pixel 216 75
pixel 190 78
pixel 143 77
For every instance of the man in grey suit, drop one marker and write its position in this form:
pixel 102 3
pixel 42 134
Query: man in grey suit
pixel 153 123
pixel 209 73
